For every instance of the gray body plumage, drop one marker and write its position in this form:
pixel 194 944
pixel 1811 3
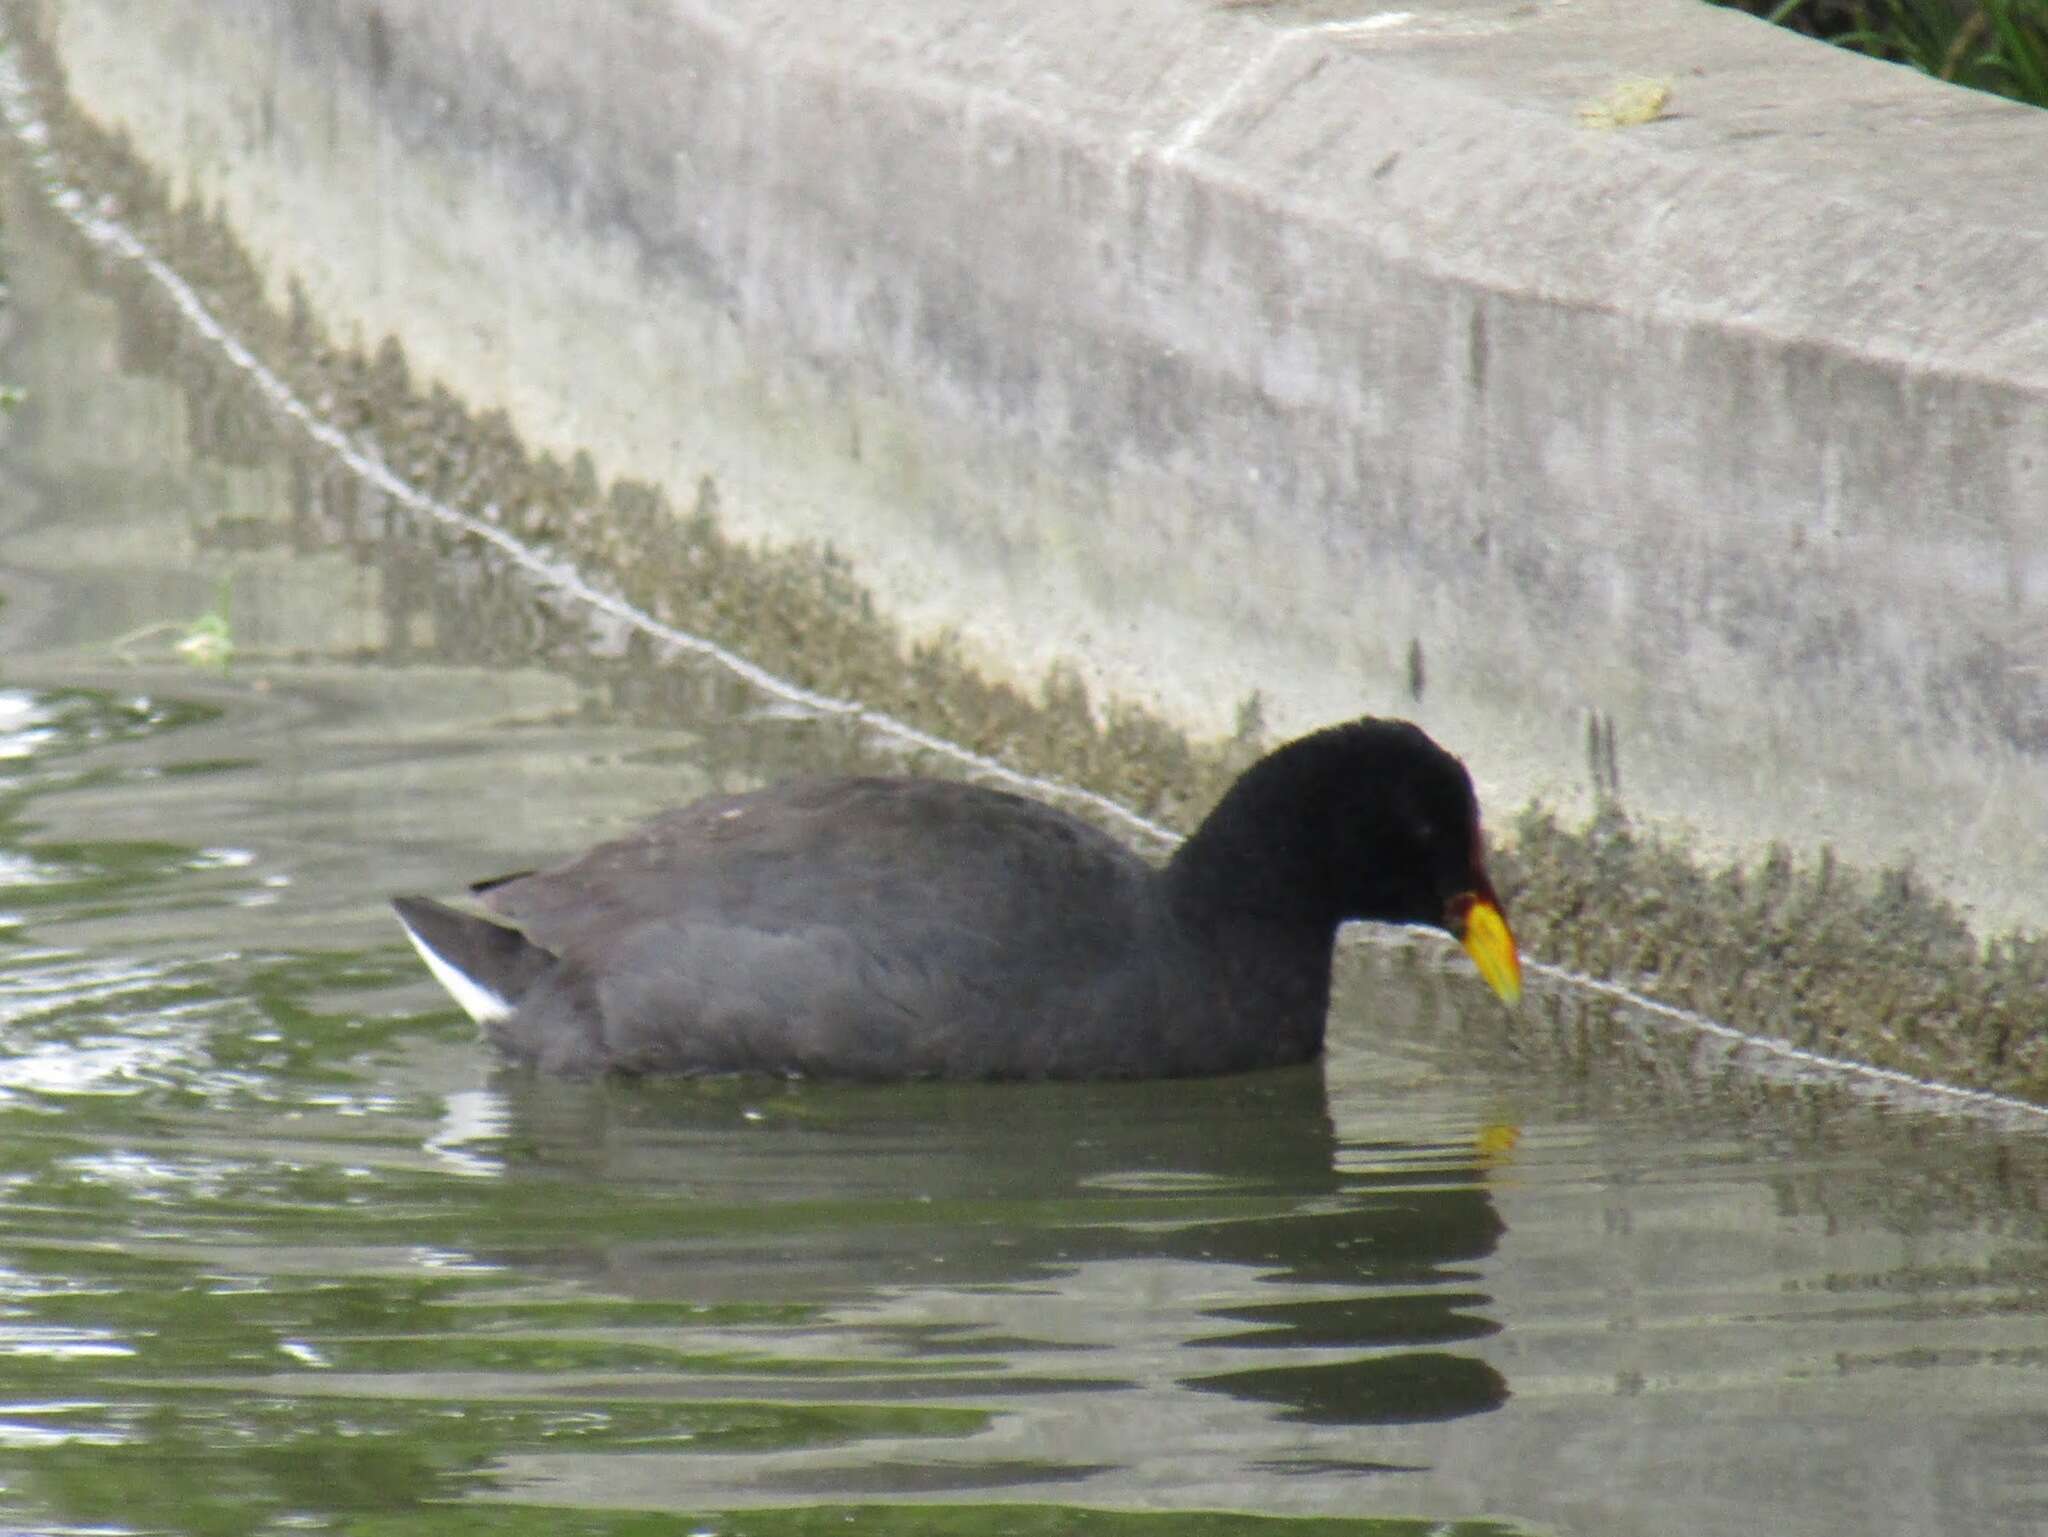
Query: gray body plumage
pixel 908 928
pixel 861 928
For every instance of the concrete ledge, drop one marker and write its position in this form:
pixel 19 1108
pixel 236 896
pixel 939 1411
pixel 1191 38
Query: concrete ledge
pixel 1314 349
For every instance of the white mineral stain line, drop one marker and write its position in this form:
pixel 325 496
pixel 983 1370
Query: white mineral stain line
pixel 1885 1083
pixel 1358 26
pixel 17 106
pixel 1191 132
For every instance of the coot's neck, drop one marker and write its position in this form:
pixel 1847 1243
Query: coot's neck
pixel 1249 889
pixel 1262 855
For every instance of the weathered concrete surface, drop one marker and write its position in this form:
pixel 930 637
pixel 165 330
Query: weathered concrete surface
pixel 1255 347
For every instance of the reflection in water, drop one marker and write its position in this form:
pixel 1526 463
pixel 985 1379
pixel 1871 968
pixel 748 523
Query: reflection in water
pixel 281 1248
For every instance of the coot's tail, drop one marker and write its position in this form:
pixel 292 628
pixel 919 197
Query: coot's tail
pixel 486 967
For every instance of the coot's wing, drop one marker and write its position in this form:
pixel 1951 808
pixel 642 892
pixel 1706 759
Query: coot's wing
pixel 838 851
pixel 717 997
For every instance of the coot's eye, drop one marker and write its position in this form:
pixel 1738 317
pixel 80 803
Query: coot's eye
pixel 1417 819
pixel 1425 831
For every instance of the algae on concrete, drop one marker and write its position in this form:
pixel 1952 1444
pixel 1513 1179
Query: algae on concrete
pixel 1871 966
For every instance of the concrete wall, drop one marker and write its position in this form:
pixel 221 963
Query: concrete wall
pixel 1245 346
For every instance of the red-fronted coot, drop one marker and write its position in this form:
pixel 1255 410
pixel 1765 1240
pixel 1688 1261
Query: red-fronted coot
pixel 916 928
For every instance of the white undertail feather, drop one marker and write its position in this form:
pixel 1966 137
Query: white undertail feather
pixel 476 1000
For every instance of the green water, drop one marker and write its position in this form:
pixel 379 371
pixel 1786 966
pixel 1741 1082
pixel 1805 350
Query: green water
pixel 283 1250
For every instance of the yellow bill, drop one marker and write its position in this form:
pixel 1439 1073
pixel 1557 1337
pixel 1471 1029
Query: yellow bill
pixel 1487 940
